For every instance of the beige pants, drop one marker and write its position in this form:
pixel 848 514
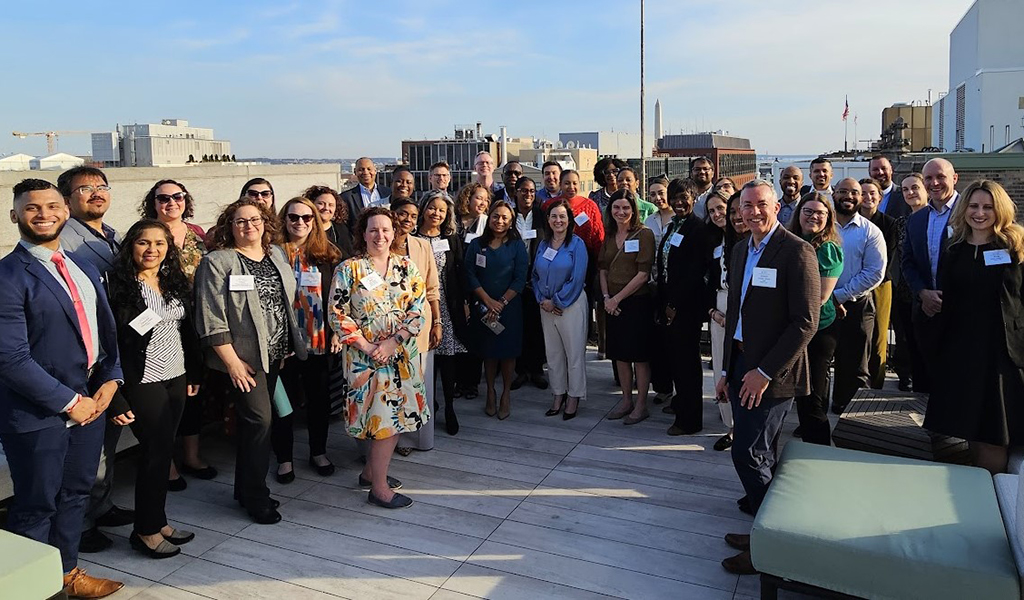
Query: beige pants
pixel 565 342
pixel 718 352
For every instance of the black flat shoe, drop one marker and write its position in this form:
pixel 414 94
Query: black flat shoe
pixel 539 381
pixel 724 443
pixel 273 503
pixel 164 550
pixel 116 517
pixel 519 381
pixel 268 516
pixel 392 483
pixel 206 472
pixel 176 485
pixel 286 478
pixel 399 501
pixel 93 541
pixel 324 470
pixel 180 537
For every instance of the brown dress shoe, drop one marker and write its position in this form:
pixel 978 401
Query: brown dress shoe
pixel 740 564
pixel 79 585
pixel 738 541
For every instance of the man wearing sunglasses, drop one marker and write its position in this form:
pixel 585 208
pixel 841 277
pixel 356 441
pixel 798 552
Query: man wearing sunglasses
pixel 509 176
pixel 87 193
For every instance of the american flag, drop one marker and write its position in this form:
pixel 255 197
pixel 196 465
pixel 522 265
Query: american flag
pixel 846 110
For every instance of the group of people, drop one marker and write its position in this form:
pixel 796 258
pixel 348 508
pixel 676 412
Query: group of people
pixel 349 303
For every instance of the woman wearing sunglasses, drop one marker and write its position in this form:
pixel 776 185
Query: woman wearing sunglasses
pixel 260 190
pixel 169 202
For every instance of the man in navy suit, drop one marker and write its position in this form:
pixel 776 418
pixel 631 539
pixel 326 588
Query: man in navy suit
pixel 58 372
pixel 892 202
pixel 366 193
pixel 923 247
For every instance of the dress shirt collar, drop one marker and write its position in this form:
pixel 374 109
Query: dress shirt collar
pixel 751 248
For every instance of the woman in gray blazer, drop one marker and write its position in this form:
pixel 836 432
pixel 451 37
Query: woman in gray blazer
pixel 244 320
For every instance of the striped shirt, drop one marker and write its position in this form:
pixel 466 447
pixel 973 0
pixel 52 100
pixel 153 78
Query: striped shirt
pixel 165 356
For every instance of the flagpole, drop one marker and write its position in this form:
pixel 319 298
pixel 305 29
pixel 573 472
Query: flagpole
pixel 846 126
pixel 643 138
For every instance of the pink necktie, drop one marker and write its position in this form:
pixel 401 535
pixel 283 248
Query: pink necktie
pixel 76 299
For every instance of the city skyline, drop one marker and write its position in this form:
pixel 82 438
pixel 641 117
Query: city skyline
pixel 343 79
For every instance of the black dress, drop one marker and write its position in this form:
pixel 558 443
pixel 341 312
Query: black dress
pixel 980 392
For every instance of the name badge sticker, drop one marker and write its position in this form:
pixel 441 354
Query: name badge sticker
pixel 440 245
pixel 997 257
pixel 550 254
pixel 481 261
pixel 631 246
pixel 372 281
pixel 241 283
pixel 676 239
pixel 471 236
pixel 764 277
pixel 949 231
pixel 719 251
pixel 581 219
pixel 530 234
pixel 309 279
pixel 143 323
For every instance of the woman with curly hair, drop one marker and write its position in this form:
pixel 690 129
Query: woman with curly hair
pixel 313 259
pixel 151 299
pixel 471 206
pixel 333 214
pixel 244 292
pixel 377 303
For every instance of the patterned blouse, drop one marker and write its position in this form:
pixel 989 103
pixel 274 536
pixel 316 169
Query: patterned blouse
pixel 192 251
pixel 309 304
pixel 271 293
pixel 165 357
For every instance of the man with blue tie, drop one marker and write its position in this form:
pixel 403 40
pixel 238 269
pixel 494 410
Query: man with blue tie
pixel 58 372
pixel 923 247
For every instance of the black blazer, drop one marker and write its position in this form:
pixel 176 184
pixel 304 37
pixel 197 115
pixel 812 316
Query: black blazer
pixel 897 206
pixel 531 245
pixel 890 232
pixel 132 346
pixel 354 200
pixel 687 265
pixel 455 285
pixel 777 322
pixel 340 235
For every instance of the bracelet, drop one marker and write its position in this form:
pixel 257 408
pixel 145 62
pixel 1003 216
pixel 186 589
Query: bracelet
pixel 607 297
pixel 504 301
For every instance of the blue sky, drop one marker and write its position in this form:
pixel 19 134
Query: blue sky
pixel 342 79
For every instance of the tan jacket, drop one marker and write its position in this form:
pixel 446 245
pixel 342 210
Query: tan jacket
pixel 423 257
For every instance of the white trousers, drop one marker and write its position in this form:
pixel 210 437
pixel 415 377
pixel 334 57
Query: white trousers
pixel 718 352
pixel 565 341
pixel 423 438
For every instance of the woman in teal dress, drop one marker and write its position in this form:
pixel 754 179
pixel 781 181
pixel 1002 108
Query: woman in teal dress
pixel 496 264
pixel 814 220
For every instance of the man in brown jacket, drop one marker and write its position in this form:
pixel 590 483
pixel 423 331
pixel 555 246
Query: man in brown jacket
pixel 774 301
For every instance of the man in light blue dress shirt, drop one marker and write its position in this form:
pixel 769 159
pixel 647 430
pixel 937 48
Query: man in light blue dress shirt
pixel 864 261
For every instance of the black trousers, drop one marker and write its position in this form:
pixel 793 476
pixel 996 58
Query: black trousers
pixel 661 361
pixel 252 458
pixel 925 343
pixel 157 408
pixel 854 336
pixel 531 361
pixel 303 379
pixel 813 409
pixel 687 373
pixel 447 368
pixel 902 356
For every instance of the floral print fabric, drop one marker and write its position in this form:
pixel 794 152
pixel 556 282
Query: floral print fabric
pixel 308 305
pixel 383 399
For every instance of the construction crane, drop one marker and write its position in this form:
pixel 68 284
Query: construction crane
pixel 51 137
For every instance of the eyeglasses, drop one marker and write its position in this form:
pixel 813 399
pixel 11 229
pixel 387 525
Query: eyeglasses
pixel 165 198
pixel 844 191
pixel 92 189
pixel 811 213
pixel 255 222
pixel 294 218
pixel 528 191
pixel 254 194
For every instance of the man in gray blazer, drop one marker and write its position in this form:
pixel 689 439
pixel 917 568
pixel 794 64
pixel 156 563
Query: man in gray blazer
pixel 774 301
pixel 87 193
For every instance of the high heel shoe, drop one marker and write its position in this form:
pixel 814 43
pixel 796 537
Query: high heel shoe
pixel 570 415
pixel 489 408
pixel 561 404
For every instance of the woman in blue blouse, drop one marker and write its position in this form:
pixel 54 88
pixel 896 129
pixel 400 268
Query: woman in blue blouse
pixel 559 273
pixel 496 264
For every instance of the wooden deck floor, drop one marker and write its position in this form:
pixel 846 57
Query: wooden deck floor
pixel 531 507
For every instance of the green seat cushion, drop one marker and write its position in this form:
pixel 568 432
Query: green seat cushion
pixel 883 527
pixel 28 569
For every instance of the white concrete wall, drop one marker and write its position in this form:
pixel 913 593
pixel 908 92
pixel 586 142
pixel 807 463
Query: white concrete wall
pixel 212 187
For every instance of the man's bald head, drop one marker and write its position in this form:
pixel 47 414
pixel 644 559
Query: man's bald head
pixel 939 181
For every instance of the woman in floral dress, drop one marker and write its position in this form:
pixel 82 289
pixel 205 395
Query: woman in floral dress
pixel 377 305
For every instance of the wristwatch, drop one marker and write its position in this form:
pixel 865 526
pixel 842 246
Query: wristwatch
pixel 400 338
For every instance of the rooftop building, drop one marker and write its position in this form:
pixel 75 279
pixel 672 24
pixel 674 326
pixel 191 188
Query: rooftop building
pixel 172 142
pixel 732 156
pixel 16 162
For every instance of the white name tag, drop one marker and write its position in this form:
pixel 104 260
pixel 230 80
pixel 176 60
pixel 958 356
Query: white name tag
pixel 949 231
pixel 471 236
pixel 581 219
pixel 676 239
pixel 718 251
pixel 143 323
pixel 372 281
pixel 309 279
pixel 763 278
pixel 241 283
pixel 530 234
pixel 550 254
pixel 481 261
pixel 439 245
pixel 997 257
pixel 631 246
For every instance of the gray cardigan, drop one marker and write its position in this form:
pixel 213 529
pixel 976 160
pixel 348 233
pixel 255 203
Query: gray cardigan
pixel 236 318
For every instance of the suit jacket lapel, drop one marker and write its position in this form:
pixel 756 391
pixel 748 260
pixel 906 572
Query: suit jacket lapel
pixel 50 282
